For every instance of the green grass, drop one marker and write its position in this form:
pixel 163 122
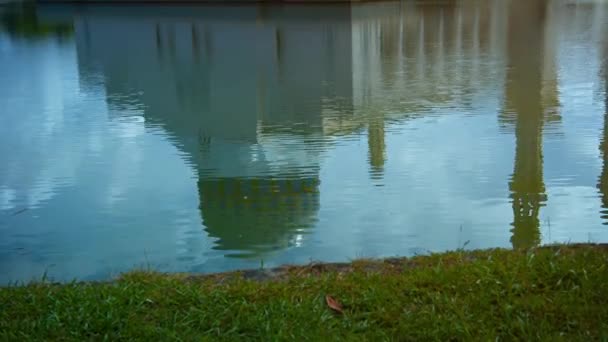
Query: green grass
pixel 556 293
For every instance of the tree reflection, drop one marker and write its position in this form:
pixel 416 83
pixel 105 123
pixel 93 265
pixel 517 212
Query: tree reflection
pixel 21 19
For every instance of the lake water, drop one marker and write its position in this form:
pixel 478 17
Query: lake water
pixel 212 138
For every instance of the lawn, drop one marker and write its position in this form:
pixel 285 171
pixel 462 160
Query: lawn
pixel 548 293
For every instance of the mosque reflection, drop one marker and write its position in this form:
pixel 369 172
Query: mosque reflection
pixel 241 97
pixel 252 95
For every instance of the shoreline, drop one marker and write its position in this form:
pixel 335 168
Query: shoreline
pixel 317 268
pixel 554 292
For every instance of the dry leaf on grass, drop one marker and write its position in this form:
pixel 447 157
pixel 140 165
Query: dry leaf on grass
pixel 333 304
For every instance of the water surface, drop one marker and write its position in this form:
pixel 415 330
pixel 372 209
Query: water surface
pixel 210 138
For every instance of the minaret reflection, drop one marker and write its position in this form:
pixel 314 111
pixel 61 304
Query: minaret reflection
pixel 603 179
pixel 524 108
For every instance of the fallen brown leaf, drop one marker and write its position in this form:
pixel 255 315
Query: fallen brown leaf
pixel 333 304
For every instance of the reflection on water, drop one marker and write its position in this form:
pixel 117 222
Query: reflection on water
pixel 524 109
pixel 21 19
pixel 258 215
pixel 208 138
pixel 251 127
pixel 603 179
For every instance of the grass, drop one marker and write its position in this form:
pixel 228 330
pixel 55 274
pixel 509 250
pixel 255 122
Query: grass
pixel 551 293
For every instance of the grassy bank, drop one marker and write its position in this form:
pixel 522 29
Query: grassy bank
pixel 556 293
